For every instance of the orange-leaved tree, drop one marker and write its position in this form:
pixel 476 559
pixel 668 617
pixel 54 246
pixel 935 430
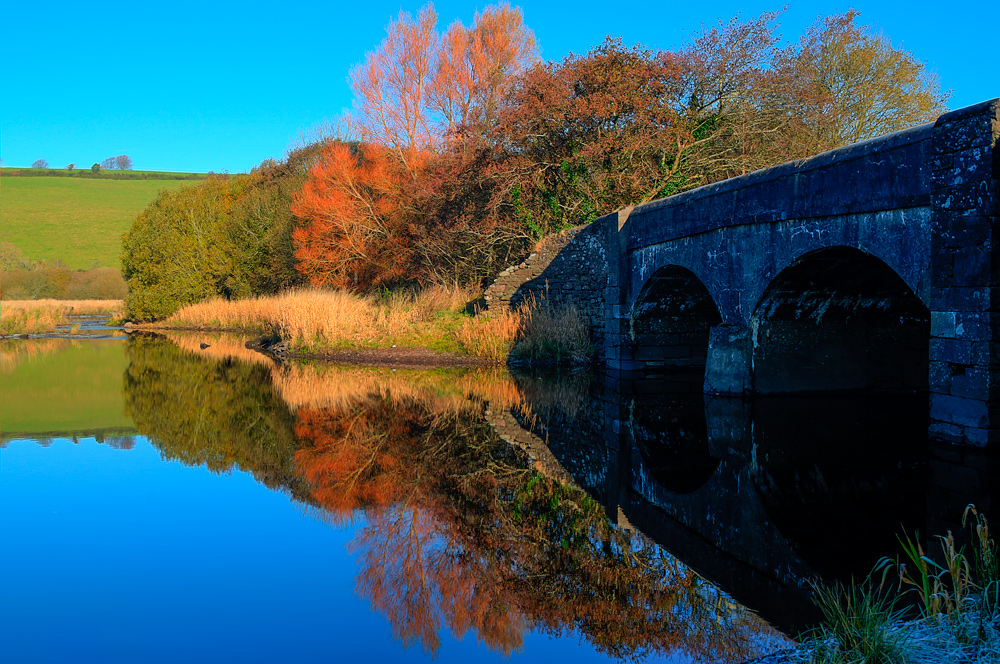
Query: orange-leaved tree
pixel 476 66
pixel 418 89
pixel 352 229
pixel 391 86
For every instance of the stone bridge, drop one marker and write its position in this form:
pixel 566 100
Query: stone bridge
pixel 867 268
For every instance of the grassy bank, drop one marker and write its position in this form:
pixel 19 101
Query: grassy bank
pixel 312 321
pixel 42 316
pixel 78 221
pixel 953 612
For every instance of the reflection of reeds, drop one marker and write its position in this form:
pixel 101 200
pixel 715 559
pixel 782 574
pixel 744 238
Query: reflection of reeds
pixel 568 392
pixel 318 385
pixel 13 353
pixel 219 346
pixel 450 391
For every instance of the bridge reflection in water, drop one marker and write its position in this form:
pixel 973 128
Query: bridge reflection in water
pixel 759 496
pixel 763 496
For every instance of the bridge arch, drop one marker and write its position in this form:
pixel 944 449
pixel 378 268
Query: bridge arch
pixel 671 320
pixel 839 319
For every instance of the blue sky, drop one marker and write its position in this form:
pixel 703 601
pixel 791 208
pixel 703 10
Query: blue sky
pixel 189 87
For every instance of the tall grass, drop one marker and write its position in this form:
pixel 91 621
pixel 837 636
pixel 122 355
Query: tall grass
pixel 492 336
pixel 43 316
pixel 861 624
pixel 957 595
pixel 553 335
pixel 317 319
pixel 311 320
pixel 534 331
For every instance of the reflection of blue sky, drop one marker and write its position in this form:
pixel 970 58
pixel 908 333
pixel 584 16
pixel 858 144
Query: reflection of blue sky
pixel 113 555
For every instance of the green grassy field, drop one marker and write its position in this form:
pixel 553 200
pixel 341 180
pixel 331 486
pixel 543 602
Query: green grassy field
pixel 78 221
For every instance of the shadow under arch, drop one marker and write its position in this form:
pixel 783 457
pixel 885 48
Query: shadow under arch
pixel 669 329
pixel 671 319
pixel 839 319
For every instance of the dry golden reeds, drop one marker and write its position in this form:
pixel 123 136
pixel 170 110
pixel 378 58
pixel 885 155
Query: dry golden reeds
pixel 42 316
pixel 491 336
pixel 70 307
pixel 324 318
pixel 557 335
pixel 432 318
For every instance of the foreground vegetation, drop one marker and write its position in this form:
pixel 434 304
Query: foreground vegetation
pixel 313 321
pixel 43 316
pixel 956 592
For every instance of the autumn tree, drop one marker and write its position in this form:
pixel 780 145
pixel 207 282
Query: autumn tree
pixel 123 162
pixel 477 66
pixel 419 89
pixel 391 86
pixel 353 230
pixel 39 163
pixel 850 83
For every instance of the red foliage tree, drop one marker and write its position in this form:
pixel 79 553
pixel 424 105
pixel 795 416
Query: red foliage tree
pixel 352 231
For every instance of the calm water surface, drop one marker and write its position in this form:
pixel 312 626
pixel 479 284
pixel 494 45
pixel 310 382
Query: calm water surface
pixel 165 502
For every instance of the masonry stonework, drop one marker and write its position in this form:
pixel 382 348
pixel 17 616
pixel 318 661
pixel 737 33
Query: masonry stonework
pixel 923 202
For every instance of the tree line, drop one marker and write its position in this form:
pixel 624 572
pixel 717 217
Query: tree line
pixel 464 149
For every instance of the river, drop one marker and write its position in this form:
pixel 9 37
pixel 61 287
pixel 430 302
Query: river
pixel 165 501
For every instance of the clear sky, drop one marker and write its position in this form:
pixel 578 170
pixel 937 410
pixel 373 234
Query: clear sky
pixel 185 86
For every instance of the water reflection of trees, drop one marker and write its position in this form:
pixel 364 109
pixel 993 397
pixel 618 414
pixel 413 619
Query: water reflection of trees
pixel 218 414
pixel 462 535
pixel 459 532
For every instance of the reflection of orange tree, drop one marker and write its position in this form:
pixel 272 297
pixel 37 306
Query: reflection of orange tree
pixel 461 534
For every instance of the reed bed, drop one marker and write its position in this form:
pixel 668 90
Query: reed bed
pixel 317 319
pixel 70 307
pixel 534 331
pixel 491 336
pixel 31 321
pixel 43 316
pixel 553 335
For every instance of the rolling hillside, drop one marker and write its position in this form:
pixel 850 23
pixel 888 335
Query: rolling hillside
pixel 78 221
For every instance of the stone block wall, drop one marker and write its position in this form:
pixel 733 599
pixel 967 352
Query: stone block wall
pixel 567 268
pixel 965 276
